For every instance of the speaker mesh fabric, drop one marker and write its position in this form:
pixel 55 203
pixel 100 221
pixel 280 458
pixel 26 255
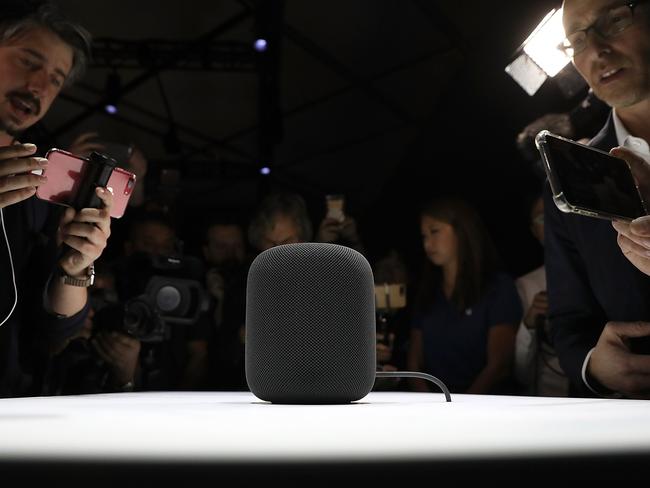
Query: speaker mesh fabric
pixel 310 324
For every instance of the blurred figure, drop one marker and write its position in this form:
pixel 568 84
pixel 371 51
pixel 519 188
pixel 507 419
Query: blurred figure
pixel 94 361
pixel 392 323
pixel 580 122
pixel 467 311
pixel 537 368
pixel 281 218
pixel 337 227
pixel 152 233
pixel 181 361
pixel 224 251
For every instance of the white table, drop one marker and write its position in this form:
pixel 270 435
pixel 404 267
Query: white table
pixel 226 429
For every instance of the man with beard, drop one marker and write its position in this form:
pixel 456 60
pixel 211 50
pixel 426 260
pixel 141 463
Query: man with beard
pixel 598 301
pixel 224 251
pixel 43 296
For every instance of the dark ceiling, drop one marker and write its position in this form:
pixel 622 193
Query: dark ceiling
pixel 387 101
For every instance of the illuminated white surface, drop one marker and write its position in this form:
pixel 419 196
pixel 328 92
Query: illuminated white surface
pixel 542 44
pixel 227 426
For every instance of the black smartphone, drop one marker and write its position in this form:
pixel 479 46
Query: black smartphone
pixel 587 181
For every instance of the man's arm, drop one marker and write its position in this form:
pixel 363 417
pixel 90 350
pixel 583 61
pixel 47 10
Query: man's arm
pixel 575 316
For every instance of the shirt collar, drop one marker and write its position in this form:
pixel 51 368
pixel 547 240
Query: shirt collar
pixel 625 139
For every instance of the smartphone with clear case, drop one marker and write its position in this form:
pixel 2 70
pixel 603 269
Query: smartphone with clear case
pixel 587 181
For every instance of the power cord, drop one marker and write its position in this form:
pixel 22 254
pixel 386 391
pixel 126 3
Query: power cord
pixel 413 374
pixel 13 273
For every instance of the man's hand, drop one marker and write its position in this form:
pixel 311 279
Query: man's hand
pixel 120 352
pixel 634 241
pixel 17 183
pixel 537 308
pixel 86 232
pixel 615 366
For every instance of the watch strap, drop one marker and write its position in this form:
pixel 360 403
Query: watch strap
pixel 86 281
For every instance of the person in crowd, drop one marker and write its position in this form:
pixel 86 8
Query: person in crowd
pixel 393 320
pixel 537 367
pixel 180 362
pixel 598 300
pixel 281 218
pixel 467 310
pixel 338 227
pixel 93 361
pixel 226 257
pixel 43 290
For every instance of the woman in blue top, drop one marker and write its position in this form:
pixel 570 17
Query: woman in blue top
pixel 466 312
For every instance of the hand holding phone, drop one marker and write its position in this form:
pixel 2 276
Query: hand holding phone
pixel 335 207
pixel 390 296
pixel 19 173
pixel 71 182
pixel 587 181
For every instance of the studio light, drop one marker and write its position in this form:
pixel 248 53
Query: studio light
pixel 260 45
pixel 539 58
pixel 265 171
pixel 113 92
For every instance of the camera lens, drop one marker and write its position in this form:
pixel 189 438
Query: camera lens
pixel 136 318
pixel 168 298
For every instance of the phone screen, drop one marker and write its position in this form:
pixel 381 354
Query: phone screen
pixel 592 180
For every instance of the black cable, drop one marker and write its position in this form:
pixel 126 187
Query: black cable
pixel 413 374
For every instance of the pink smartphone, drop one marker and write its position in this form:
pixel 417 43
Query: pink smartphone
pixel 64 179
pixel 122 182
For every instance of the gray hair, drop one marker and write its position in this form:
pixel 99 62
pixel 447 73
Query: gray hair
pixel 18 16
pixel 290 204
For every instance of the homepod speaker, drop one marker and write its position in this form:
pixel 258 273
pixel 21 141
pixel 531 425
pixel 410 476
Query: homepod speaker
pixel 310 325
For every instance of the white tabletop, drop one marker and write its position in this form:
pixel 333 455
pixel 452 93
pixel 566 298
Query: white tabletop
pixel 235 426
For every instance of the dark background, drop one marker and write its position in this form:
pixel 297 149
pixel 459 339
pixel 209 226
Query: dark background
pixel 389 102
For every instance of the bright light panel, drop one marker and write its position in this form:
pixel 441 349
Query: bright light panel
pixel 542 44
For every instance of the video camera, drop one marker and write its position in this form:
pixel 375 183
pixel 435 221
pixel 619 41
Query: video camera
pixel 156 292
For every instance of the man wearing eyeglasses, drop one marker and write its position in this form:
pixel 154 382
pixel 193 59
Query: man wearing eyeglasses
pixel 599 302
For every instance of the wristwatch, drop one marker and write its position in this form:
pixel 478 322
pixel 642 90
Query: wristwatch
pixel 88 280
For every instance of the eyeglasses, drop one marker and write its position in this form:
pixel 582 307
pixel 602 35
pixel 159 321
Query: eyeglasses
pixel 609 24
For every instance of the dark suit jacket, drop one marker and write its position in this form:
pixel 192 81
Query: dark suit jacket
pixel 24 338
pixel 589 281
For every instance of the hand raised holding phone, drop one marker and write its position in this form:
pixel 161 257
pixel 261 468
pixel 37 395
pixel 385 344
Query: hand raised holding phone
pixel 71 176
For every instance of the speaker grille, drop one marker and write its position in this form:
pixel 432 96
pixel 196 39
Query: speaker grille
pixel 310 324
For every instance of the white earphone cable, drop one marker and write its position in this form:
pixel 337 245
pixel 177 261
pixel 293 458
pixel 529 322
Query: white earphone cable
pixel 13 273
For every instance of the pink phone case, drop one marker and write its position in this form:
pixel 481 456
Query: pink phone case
pixel 122 182
pixel 64 173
